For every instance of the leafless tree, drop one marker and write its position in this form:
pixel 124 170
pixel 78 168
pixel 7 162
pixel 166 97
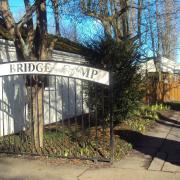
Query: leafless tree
pixel 152 22
pixel 161 19
pixel 32 43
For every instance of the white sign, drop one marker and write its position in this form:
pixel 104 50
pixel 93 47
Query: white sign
pixel 55 68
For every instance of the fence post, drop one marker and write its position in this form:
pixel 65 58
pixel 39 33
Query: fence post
pixel 111 116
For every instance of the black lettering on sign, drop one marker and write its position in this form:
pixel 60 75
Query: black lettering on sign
pixel 31 67
pixel 94 73
pixel 25 67
pixel 62 69
pixel 39 67
pixel 12 68
pixel 19 68
pixel 85 72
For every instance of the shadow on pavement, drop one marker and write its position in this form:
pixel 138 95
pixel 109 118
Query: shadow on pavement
pixel 167 123
pixel 165 149
pixel 174 105
pixel 164 118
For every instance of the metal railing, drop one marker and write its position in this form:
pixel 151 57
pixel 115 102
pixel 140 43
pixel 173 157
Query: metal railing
pixel 55 116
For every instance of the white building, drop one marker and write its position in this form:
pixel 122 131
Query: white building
pixel 13 98
pixel 164 65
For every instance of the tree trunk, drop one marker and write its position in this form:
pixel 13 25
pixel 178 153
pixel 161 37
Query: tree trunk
pixel 41 54
pixel 38 118
pixel 32 46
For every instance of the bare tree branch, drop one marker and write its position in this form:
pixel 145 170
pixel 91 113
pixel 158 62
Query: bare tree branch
pixel 28 15
pixel 7 16
pixel 55 4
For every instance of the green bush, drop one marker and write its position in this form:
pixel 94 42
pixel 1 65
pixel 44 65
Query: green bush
pixel 145 116
pixel 121 59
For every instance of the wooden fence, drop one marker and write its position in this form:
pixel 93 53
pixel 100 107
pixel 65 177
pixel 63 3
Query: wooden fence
pixel 162 88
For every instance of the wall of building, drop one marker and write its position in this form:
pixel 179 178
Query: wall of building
pixel 14 99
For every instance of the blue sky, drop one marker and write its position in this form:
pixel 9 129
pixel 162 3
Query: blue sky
pixel 86 29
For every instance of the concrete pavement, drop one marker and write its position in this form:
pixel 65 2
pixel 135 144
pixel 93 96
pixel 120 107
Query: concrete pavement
pixel 158 149
pixel 155 156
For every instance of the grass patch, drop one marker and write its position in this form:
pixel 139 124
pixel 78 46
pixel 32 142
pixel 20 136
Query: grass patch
pixel 87 143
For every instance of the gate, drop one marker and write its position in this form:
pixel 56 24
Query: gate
pixel 55 109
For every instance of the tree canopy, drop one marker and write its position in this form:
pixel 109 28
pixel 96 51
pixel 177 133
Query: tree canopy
pixel 153 24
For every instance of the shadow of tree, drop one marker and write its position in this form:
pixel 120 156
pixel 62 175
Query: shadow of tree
pixel 153 146
pixel 174 105
pixel 12 104
pixel 169 120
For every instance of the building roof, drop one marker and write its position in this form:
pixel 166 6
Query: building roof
pixel 163 64
pixel 63 44
pixel 64 50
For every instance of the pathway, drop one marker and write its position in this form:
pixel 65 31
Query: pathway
pixel 158 149
pixel 155 156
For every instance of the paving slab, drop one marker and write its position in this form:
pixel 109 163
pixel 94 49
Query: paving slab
pixel 170 167
pixel 175 129
pixel 23 169
pixel 177 134
pixel 174 137
pixel 132 164
pixel 157 134
pixel 158 162
pixel 126 174
pixel 138 154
